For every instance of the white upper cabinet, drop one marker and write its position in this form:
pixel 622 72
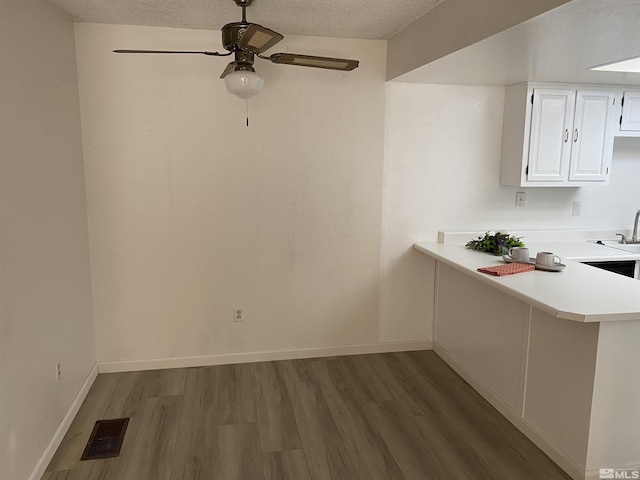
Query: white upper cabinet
pixel 630 118
pixel 593 135
pixel 558 135
pixel 549 148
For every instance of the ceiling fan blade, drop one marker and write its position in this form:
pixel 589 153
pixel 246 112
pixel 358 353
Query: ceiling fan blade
pixel 257 39
pixel 215 54
pixel 313 61
pixel 230 68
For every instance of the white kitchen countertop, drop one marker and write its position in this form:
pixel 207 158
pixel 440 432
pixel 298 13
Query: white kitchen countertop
pixel 579 292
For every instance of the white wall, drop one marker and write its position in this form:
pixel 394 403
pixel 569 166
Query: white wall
pixel 442 163
pixel 45 292
pixel 191 213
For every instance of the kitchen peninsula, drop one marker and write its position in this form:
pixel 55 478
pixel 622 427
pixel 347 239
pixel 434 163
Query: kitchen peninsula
pixel 557 353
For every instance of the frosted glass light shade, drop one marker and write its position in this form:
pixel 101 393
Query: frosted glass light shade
pixel 243 83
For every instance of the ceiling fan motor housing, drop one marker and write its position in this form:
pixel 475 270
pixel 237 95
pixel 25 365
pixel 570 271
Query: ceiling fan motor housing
pixel 232 33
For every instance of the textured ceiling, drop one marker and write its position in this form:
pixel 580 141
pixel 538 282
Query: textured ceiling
pixel 367 19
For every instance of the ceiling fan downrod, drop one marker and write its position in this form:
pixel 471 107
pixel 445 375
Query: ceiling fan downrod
pixel 244 4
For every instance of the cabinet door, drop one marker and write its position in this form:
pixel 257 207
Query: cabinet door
pixel 551 126
pixel 631 112
pixel 592 135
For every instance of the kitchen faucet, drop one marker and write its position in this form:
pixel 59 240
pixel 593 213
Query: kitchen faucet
pixel 634 238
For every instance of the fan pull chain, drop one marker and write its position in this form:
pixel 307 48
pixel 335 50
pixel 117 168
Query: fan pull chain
pixel 247 100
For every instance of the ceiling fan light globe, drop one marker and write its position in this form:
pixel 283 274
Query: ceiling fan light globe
pixel 244 84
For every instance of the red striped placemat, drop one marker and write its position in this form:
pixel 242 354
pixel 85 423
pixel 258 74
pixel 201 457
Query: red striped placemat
pixel 508 269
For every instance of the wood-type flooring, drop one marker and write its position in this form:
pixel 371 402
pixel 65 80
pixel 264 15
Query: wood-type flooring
pixel 398 416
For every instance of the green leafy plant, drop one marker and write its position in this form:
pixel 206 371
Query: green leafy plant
pixel 498 243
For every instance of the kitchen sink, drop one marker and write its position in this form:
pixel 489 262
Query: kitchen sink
pixel 626 247
pixel 628 268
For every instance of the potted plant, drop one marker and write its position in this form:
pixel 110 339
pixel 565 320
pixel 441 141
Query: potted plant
pixel 497 243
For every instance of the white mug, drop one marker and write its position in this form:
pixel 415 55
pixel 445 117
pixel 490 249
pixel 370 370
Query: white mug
pixel 547 259
pixel 519 254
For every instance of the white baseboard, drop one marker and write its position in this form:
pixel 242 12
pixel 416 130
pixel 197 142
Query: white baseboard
pixel 247 357
pixel 61 431
pixel 574 470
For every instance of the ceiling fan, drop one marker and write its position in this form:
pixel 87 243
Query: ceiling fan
pixel 246 41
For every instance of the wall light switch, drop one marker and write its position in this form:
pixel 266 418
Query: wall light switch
pixel 520 198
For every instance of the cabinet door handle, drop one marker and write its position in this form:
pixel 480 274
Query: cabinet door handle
pixel 575 136
pixel 566 135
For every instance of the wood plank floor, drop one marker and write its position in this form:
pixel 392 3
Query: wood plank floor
pixel 398 416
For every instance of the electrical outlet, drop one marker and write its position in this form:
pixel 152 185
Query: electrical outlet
pixel 238 314
pixel 520 198
pixel 576 211
pixel 58 372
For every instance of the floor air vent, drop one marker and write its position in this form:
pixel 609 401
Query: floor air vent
pixel 106 439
